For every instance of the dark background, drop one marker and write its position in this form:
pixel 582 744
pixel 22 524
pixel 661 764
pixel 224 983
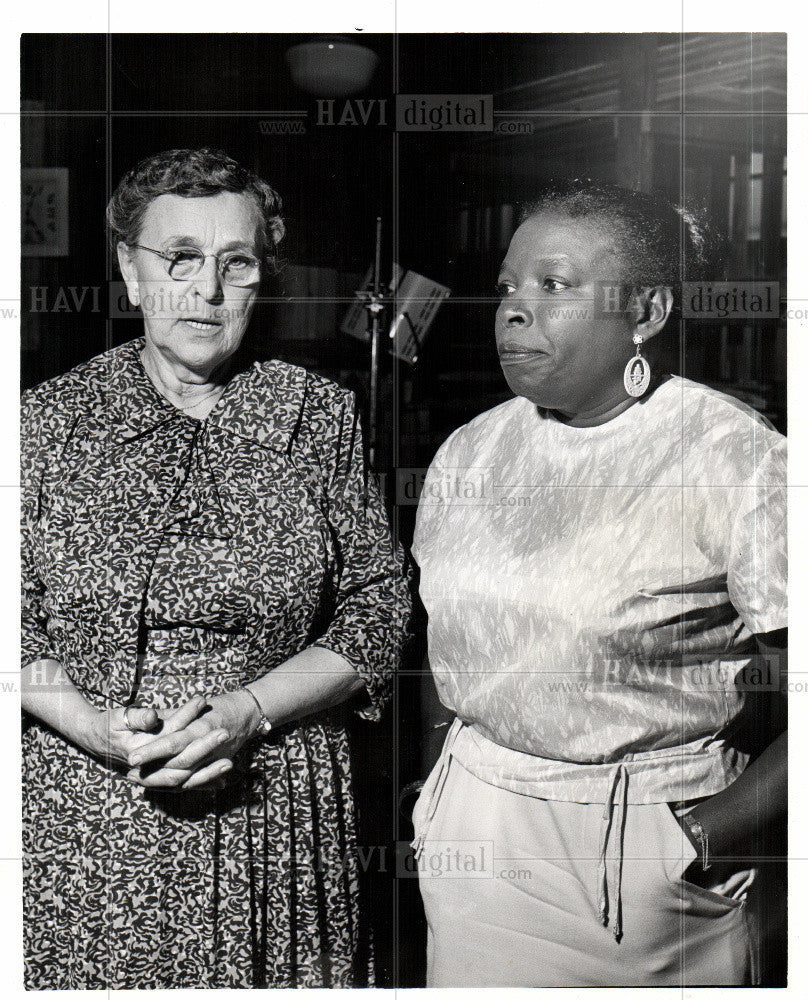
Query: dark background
pixel 700 117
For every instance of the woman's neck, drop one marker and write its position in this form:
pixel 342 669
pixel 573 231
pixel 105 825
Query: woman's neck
pixel 607 410
pixel 596 416
pixel 195 393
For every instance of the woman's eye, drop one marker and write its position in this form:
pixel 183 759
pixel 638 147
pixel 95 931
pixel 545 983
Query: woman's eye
pixel 554 284
pixel 504 288
pixel 183 256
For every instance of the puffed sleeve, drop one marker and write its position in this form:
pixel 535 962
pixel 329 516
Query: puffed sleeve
pixel 372 602
pixel 757 575
pixel 36 437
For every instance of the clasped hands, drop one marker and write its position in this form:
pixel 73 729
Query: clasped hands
pixel 191 747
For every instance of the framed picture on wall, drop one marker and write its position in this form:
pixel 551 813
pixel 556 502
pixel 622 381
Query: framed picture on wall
pixel 44 212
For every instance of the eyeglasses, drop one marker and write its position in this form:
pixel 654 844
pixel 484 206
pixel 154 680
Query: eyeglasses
pixel 186 262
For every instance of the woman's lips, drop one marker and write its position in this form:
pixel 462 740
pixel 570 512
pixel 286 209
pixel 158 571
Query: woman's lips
pixel 204 325
pixel 508 356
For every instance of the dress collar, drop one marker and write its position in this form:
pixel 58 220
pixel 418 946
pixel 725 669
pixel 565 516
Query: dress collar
pixel 262 403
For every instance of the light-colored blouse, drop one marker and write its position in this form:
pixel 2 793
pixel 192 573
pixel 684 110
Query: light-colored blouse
pixel 593 593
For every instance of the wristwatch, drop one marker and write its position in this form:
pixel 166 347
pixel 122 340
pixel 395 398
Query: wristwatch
pixel 700 835
pixel 264 727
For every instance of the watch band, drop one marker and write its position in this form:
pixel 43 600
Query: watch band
pixel 264 727
pixel 703 840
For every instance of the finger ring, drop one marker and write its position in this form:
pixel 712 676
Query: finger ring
pixel 126 721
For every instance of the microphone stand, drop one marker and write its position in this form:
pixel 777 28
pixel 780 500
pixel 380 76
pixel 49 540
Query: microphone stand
pixel 374 305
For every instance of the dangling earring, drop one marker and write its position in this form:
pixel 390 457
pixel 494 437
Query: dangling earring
pixel 637 376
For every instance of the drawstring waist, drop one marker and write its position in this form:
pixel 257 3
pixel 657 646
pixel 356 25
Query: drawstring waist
pixel 610 887
pixel 612 828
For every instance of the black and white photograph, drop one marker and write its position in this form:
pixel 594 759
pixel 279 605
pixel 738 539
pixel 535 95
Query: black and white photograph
pixel 403 495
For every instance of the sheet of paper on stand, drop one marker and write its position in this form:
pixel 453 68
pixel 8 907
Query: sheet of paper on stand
pixel 416 302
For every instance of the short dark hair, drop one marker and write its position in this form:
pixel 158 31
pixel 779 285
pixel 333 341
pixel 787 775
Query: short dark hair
pixel 191 173
pixel 657 242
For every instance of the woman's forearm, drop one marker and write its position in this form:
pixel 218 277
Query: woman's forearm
pixel 50 695
pixel 739 817
pixel 311 681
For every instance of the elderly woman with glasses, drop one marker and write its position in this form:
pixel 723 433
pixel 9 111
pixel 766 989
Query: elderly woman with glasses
pixel 208 579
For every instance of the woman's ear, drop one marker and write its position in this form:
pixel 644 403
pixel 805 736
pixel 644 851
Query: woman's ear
pixel 655 305
pixel 129 272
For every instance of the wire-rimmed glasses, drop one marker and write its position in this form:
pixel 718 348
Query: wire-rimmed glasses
pixel 235 267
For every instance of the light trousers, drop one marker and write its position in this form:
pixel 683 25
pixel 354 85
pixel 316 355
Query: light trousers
pixel 521 891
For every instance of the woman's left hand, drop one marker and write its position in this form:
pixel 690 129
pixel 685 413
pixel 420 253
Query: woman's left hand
pixel 201 747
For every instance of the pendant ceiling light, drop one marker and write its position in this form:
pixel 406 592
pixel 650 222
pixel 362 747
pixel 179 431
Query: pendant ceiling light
pixel 332 66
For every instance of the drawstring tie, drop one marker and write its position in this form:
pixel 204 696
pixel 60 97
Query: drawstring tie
pixel 610 887
pixel 433 787
pixel 610 864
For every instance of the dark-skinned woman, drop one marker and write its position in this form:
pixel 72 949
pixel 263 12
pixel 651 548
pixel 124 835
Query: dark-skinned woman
pixel 599 592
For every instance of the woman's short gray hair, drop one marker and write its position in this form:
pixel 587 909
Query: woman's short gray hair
pixel 191 173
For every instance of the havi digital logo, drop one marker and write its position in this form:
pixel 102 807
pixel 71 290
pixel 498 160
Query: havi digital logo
pixel 444 112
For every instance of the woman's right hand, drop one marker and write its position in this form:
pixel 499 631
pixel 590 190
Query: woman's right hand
pixel 48 693
pixel 115 734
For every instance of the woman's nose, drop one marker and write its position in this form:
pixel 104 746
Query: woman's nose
pixel 209 281
pixel 516 312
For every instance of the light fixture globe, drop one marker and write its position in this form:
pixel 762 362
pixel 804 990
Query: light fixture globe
pixel 331 67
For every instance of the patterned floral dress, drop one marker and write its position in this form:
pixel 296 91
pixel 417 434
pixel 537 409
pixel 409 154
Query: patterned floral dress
pixel 165 557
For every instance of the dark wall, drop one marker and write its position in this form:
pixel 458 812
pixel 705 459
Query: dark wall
pixel 98 104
